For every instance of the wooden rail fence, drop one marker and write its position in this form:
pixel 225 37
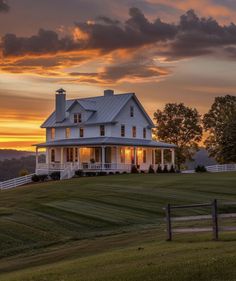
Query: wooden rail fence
pixel 12 183
pixel 214 217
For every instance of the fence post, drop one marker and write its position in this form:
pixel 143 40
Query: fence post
pixel 168 223
pixel 215 220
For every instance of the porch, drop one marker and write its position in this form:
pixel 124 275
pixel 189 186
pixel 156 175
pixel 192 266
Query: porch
pixel 104 158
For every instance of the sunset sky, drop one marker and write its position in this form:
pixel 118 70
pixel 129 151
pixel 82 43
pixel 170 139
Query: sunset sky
pixel 163 50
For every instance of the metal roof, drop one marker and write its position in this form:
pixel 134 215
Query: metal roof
pixel 106 141
pixel 105 108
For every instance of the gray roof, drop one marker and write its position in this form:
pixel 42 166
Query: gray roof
pixel 106 141
pixel 105 108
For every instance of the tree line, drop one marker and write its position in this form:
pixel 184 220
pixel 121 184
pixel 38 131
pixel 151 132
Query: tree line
pixel 185 127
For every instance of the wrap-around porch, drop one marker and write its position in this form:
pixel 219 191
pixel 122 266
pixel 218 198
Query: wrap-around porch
pixel 107 158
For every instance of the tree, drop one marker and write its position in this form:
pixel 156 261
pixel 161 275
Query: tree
pixel 220 125
pixel 180 125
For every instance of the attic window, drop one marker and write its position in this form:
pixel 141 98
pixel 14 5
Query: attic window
pixel 131 111
pixel 77 118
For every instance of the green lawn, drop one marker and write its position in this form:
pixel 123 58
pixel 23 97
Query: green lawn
pixel 111 228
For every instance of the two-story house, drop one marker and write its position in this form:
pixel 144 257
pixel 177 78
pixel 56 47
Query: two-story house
pixel 111 132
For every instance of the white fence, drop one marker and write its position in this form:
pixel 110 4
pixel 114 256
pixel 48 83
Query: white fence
pixel 16 182
pixel 221 168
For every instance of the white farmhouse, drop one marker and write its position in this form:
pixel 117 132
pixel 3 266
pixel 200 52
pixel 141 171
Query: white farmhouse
pixel 109 133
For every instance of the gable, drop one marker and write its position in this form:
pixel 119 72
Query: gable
pixel 140 115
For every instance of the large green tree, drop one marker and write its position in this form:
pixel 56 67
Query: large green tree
pixel 220 125
pixel 180 125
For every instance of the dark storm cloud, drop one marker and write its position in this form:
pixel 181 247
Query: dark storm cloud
pixel 46 41
pixel 192 36
pixel 135 32
pixel 4 7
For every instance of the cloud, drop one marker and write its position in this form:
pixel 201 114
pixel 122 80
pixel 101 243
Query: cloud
pixel 137 69
pixel 4 7
pixel 48 54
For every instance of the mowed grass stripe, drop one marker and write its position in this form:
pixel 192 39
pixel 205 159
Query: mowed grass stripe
pixel 37 215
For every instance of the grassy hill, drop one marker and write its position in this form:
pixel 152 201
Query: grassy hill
pixel 111 228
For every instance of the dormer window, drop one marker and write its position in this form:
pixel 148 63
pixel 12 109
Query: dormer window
pixel 102 130
pixel 53 131
pixel 77 118
pixel 134 132
pixel 131 111
pixel 144 133
pixel 67 133
pixel 81 132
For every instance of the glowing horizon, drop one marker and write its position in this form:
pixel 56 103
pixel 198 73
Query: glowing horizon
pixel 174 59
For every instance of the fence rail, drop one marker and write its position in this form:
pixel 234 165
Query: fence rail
pixel 221 168
pixel 214 216
pixel 12 183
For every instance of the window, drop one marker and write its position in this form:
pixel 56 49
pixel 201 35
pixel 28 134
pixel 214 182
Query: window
pixel 77 118
pixel 131 111
pixel 76 154
pixel 144 133
pixel 144 156
pixel 122 130
pixel 134 132
pixel 102 130
pixel 81 132
pixel 69 154
pixel 67 133
pixel 53 133
pixel 122 155
pixel 52 155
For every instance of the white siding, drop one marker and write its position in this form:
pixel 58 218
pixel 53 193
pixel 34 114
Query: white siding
pixel 138 120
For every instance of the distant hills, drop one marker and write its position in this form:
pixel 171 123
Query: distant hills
pixel 12 153
pixel 201 158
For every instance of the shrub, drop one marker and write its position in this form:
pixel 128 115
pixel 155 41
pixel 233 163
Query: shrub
pixel 79 173
pixel 134 170
pixel 172 169
pixel 55 176
pixel 111 173
pixel 159 169
pixel 90 174
pixel 35 178
pixel 102 173
pixel 117 173
pixel 23 172
pixel 165 170
pixel 43 177
pixel 200 169
pixel 124 172
pixel 151 170
pixel 142 172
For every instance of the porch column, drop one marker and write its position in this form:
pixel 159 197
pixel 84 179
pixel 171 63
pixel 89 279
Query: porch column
pixel 162 158
pixel 173 156
pixel 37 158
pixel 48 155
pixel 62 156
pixel 103 156
pixel 117 148
pixel 153 157
pixel 135 156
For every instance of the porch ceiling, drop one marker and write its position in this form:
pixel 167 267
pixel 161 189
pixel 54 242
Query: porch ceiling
pixel 106 141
